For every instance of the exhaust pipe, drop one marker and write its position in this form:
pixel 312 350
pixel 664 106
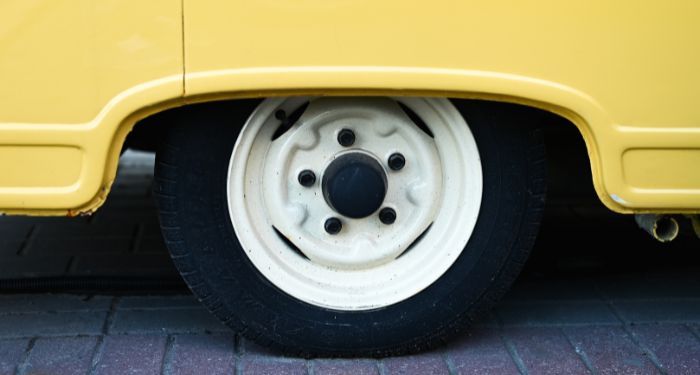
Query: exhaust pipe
pixel 695 220
pixel 662 227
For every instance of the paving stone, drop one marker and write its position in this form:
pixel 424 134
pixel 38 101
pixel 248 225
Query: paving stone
pixel 547 291
pixel 64 355
pixel 344 367
pixel 273 366
pixel 152 245
pixel 610 350
pixel 67 227
pixel 79 246
pixel 10 228
pixel 42 303
pixel 10 247
pixel 545 350
pixel 126 265
pixel 158 302
pixel 429 363
pixel 635 287
pixel 555 314
pixel 695 328
pixel 126 208
pixel 251 349
pixel 202 354
pixel 52 324
pixel 196 320
pixel 652 311
pixel 11 353
pixel 34 266
pixel 41 220
pixel 480 352
pixel 675 346
pixel 131 354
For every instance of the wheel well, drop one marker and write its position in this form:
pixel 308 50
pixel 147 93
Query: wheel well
pixel 147 132
pixel 566 149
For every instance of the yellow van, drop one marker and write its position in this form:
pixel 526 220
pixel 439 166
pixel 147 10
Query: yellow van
pixel 349 177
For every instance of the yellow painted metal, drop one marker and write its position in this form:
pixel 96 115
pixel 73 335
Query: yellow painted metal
pixel 62 61
pixel 658 168
pixel 624 72
pixel 61 165
pixel 72 74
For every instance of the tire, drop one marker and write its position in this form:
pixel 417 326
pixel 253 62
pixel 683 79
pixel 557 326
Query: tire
pixel 192 192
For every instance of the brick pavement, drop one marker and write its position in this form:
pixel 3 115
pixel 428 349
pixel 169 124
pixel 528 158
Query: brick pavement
pixel 590 301
pixel 538 329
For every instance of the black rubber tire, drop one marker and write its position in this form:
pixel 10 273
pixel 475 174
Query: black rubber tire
pixel 190 187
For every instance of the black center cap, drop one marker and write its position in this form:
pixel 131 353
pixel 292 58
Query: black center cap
pixel 354 185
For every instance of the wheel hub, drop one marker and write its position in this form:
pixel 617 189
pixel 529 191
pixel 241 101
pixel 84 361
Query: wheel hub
pixel 354 185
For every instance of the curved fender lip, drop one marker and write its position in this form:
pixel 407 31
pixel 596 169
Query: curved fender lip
pixel 101 138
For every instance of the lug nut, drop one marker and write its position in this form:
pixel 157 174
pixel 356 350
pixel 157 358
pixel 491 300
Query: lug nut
pixel 396 161
pixel 333 225
pixel 306 178
pixel 387 215
pixel 280 114
pixel 346 138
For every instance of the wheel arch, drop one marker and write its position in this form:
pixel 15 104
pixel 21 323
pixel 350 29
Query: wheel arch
pixel 147 104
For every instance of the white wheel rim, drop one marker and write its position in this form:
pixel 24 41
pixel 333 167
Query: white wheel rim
pixel 368 264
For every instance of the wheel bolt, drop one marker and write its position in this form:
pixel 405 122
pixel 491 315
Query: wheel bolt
pixel 333 225
pixel 396 161
pixel 280 114
pixel 306 178
pixel 387 215
pixel 346 138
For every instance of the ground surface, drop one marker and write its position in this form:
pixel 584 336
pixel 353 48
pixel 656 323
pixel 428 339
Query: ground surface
pixel 597 296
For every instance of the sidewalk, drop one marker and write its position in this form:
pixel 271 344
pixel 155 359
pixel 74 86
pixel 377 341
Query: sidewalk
pixel 598 296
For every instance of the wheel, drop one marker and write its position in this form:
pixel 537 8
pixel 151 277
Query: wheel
pixel 343 226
